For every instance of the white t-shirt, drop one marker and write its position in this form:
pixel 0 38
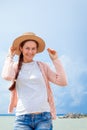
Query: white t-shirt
pixel 31 89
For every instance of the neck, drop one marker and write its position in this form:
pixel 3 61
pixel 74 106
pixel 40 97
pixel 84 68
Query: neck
pixel 27 61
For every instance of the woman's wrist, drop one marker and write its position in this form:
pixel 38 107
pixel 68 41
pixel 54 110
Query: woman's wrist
pixel 9 55
pixel 54 58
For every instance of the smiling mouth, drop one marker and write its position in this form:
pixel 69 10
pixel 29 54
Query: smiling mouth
pixel 29 55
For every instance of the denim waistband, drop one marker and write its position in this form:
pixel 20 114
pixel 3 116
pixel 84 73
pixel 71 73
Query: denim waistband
pixel 36 114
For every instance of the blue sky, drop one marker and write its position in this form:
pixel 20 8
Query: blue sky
pixel 63 26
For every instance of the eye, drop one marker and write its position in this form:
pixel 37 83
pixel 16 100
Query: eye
pixel 34 48
pixel 27 48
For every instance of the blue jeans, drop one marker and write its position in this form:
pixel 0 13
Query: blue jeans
pixel 41 121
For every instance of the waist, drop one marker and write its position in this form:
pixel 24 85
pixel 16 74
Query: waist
pixel 36 114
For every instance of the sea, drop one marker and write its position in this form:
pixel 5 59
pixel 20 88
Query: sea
pixel 14 114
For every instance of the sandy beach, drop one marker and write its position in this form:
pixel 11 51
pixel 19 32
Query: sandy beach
pixel 70 124
pixel 6 123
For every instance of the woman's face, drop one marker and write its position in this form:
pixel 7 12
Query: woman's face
pixel 29 50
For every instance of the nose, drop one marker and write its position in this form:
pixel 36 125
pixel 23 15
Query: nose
pixel 30 51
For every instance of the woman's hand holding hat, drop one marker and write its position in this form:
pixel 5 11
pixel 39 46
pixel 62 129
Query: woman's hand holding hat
pixel 11 51
pixel 52 53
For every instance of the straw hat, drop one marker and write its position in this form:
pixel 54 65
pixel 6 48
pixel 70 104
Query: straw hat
pixel 28 36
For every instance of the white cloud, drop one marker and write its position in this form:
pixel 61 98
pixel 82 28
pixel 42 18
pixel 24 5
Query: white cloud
pixel 74 70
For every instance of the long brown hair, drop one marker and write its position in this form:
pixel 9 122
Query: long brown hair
pixel 12 87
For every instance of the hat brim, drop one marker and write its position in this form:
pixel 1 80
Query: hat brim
pixel 17 41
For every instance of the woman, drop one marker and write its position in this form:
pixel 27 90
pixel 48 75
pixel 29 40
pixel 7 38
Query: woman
pixel 30 90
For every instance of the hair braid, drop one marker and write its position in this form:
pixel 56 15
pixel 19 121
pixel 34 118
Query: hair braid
pixel 12 87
